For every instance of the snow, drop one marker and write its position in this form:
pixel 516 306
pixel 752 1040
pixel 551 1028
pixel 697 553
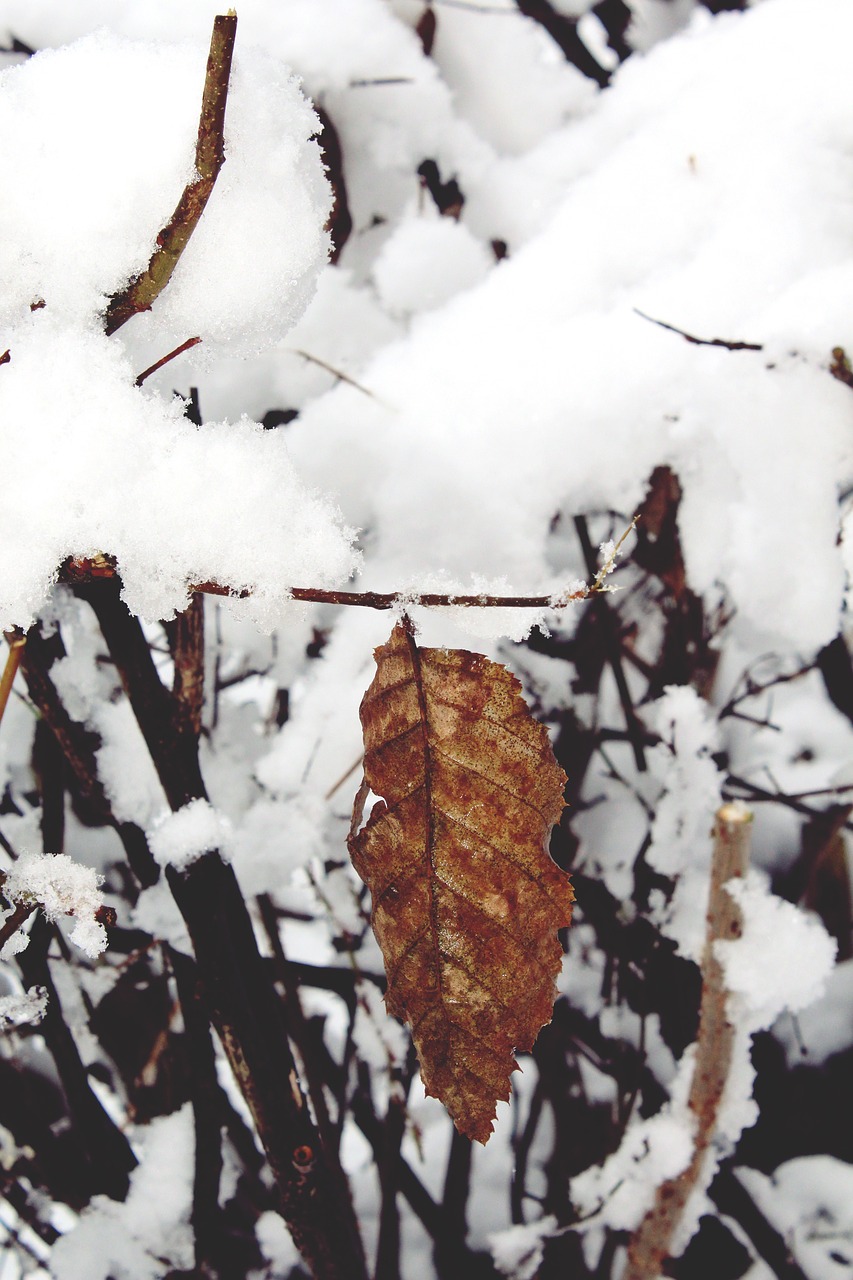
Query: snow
pixel 782 960
pixel 104 182
pixel 518 1251
pixel 109 181
pixel 623 1186
pixel 826 1026
pixel 427 260
pixel 680 844
pixel 30 1007
pixel 808 1201
pixel 130 1241
pixel 181 838
pixel 61 887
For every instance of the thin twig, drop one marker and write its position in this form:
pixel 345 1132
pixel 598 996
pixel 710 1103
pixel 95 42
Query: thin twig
pixel 336 373
pixel 141 293
pixel 652 1241
pixel 158 364
pixel 80 571
pixel 701 342
pixel 16 641
pixel 403 600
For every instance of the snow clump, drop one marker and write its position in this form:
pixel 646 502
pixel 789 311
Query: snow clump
pixel 61 887
pixel 183 837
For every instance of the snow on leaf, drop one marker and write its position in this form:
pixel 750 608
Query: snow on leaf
pixel 466 901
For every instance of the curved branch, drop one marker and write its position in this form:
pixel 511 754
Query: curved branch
pixel 142 292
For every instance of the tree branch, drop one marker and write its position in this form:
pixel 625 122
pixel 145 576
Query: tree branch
pixel 78 571
pixel 142 292
pixel 563 30
pixel 238 989
pixel 652 1241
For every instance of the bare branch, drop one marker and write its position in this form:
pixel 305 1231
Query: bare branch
pixel 652 1241
pixel 142 292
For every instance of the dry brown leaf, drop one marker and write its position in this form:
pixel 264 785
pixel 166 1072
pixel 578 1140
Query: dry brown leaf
pixel 466 900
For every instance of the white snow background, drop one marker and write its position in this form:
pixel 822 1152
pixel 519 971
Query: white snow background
pixel 450 405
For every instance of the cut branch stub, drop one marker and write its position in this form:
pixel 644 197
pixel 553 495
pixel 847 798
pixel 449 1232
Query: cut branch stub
pixel 466 900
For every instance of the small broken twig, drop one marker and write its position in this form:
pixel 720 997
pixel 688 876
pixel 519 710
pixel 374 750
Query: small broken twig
pixel 142 292
pixel 701 342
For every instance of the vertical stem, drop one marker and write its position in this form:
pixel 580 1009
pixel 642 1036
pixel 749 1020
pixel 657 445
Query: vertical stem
pixel 652 1241
pixel 207 1117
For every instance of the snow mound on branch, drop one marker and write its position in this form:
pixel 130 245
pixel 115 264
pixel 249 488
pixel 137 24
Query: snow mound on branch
pixel 426 261
pixel 186 835
pixel 28 1007
pixel 100 137
pixel 518 1251
pixel 782 959
pixel 699 190
pixel 95 464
